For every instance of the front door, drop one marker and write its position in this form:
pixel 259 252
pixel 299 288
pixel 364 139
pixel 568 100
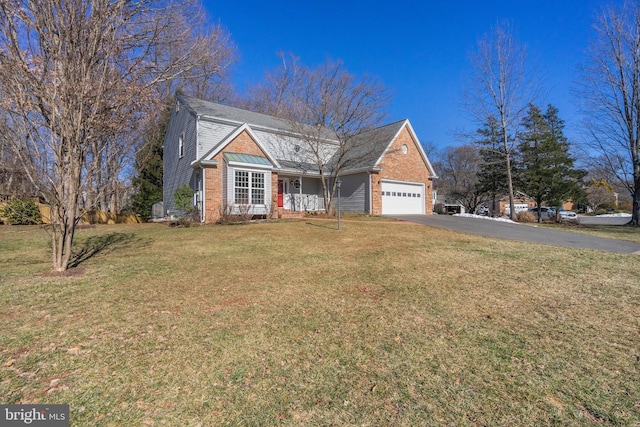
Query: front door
pixel 280 193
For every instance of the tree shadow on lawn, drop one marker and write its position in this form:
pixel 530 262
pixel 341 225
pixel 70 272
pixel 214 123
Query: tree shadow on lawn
pixel 320 224
pixel 103 244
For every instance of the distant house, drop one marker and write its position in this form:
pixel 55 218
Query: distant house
pixel 445 204
pixel 235 159
pixel 521 202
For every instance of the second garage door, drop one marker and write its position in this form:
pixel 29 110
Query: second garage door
pixel 402 198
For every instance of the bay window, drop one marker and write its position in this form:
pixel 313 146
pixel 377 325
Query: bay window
pixel 249 188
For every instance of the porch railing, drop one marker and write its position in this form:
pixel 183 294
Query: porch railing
pixel 304 202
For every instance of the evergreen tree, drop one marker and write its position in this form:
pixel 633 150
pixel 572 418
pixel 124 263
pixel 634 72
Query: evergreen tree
pixel 148 180
pixel 492 175
pixel 545 169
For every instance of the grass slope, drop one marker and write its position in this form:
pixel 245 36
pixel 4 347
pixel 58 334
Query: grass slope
pixel 619 232
pixel 296 323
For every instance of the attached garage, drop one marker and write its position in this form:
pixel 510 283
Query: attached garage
pixel 400 198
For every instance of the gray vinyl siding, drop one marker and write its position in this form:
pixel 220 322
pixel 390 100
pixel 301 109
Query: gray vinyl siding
pixel 309 186
pixel 210 134
pixel 354 193
pixel 178 170
pixel 282 147
pixel 277 145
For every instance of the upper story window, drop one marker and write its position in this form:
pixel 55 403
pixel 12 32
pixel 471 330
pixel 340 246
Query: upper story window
pixel 181 145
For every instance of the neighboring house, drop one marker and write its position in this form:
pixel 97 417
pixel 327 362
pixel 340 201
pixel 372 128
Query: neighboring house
pixel 521 202
pixel 237 160
pixel 446 205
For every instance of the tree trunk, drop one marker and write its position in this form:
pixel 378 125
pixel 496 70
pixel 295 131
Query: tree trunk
pixel 505 140
pixel 635 208
pixel 62 238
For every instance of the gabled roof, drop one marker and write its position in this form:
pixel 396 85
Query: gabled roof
pixel 364 152
pixel 231 114
pixel 367 147
pixel 239 116
pixel 243 128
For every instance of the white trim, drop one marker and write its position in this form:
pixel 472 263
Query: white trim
pixel 249 166
pixel 203 163
pixel 371 196
pixel 204 198
pixel 398 181
pixel 296 172
pixel 197 138
pixel 360 170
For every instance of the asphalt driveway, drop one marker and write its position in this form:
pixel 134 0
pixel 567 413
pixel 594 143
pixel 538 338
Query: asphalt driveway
pixel 523 233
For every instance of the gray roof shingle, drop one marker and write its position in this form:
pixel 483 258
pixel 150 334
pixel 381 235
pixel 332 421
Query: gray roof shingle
pixel 238 115
pixel 367 147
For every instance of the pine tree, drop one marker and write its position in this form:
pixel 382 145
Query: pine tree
pixel 492 177
pixel 148 180
pixel 545 170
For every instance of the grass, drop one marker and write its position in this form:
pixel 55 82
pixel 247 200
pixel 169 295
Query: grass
pixel 296 323
pixel 609 231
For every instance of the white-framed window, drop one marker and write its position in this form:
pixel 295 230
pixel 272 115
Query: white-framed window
pixel 249 188
pixel 181 145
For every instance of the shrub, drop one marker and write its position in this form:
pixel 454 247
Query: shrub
pixel 21 212
pixel 238 214
pixel 183 199
pixel 525 216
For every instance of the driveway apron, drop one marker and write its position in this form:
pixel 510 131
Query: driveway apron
pixel 523 233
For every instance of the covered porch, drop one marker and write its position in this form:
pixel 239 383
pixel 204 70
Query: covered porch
pixel 300 194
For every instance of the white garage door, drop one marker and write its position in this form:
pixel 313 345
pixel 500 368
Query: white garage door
pixel 402 198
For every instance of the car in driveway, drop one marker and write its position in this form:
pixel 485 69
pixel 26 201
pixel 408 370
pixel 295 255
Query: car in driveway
pixel 546 214
pixel 483 210
pixel 568 216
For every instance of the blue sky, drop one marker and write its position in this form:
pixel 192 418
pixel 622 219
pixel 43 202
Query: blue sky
pixel 419 49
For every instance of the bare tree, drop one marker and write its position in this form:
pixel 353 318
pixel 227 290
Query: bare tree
pixel 600 193
pixel 331 109
pixel 327 108
pixel 430 148
pixel 610 92
pixel 13 181
pixel 459 168
pixel 501 87
pixel 276 93
pixel 76 76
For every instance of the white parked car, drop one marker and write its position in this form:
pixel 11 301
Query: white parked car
pixel 568 216
pixel 546 214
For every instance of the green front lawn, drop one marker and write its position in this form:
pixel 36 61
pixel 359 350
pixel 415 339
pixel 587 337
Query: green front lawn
pixel 296 323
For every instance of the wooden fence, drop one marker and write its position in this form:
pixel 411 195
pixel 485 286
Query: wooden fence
pixel 93 217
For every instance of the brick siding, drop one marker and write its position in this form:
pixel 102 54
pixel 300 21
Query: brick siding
pixel 402 167
pixel 243 143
